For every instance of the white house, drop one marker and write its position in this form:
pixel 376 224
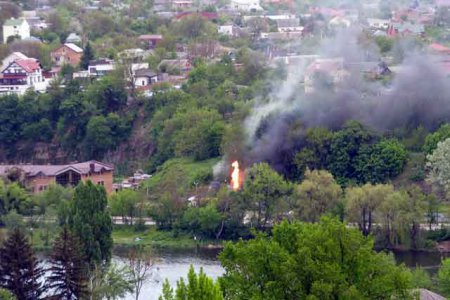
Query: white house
pixel 380 24
pixel 101 67
pixel 145 77
pixel 21 75
pixel 246 5
pixel 16 27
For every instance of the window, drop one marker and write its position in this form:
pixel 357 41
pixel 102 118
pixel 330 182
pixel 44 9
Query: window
pixel 42 188
pixel 100 182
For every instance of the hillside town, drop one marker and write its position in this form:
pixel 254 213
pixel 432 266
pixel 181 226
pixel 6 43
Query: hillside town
pixel 224 149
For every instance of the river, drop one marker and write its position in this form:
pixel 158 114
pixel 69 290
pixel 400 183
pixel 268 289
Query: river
pixel 175 264
pixel 172 265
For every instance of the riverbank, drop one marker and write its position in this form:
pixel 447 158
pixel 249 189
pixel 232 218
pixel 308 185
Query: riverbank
pixel 126 236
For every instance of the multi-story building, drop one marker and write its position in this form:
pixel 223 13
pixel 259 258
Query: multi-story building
pixel 16 27
pixel 37 178
pixel 21 75
pixel 67 54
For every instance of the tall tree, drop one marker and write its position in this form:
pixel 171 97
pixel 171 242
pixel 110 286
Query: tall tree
pixel 19 269
pixel 324 260
pixel 140 263
pixel 68 279
pixel 438 166
pixel 88 54
pixel 264 190
pixel 363 202
pixel 91 222
pixel 317 194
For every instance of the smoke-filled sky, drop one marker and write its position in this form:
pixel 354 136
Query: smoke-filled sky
pixel 418 95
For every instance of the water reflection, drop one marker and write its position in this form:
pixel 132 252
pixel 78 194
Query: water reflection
pixel 173 265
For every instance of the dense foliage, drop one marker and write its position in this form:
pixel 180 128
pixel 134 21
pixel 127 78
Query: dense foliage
pixel 311 261
pixel 91 222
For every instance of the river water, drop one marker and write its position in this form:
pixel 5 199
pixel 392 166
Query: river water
pixel 173 265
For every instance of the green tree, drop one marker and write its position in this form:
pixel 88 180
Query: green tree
pixel 344 150
pixel 111 283
pixel 264 191
pixel 19 270
pixel 443 277
pixel 204 221
pixel 68 269
pixel 432 140
pixel 199 286
pixel 88 55
pixel 318 194
pixel 324 260
pixel 438 165
pixel 380 162
pixel 6 295
pixel 91 222
pixel 315 153
pixel 362 204
pixel 412 214
pixel 124 204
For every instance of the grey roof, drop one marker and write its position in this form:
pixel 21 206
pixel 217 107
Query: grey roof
pixel 14 22
pixel 145 73
pixel 53 170
pixel 288 23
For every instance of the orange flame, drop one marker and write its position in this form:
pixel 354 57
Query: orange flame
pixel 235 176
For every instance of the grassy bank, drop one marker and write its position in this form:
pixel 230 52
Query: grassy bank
pixel 123 237
pixel 127 236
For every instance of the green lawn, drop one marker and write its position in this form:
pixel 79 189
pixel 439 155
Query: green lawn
pixel 126 236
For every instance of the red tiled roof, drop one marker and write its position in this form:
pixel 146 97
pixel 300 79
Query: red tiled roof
pixel 439 48
pixel 29 65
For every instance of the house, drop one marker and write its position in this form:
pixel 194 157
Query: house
pixel 288 25
pixel 245 5
pixel 405 29
pixel 21 75
pixel 100 67
pixel 15 27
pixel 12 57
pixel 439 49
pixel 39 177
pixel 67 54
pixel 324 69
pixel 181 4
pixel 145 77
pixel 378 24
pixel 73 38
pixel 151 40
pixel 339 22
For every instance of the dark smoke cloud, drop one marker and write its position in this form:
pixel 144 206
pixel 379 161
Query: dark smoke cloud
pixel 418 95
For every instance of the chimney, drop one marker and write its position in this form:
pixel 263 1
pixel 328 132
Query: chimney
pixel 92 167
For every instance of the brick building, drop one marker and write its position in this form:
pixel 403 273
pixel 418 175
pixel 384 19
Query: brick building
pixel 67 54
pixel 37 178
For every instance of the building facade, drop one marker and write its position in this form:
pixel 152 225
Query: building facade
pixel 15 27
pixel 67 54
pixel 37 178
pixel 21 75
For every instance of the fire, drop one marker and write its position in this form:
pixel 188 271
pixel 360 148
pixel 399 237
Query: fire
pixel 235 176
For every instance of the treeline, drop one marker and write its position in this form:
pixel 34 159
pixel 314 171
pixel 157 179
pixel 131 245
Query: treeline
pixel 296 261
pixel 85 123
